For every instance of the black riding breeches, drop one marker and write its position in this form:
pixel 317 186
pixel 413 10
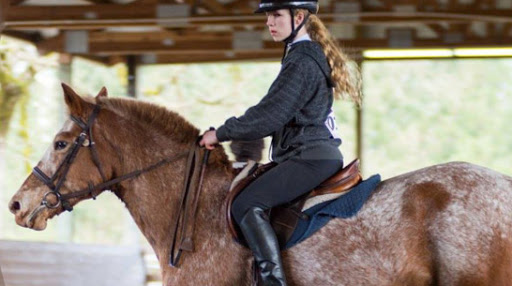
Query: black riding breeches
pixel 289 180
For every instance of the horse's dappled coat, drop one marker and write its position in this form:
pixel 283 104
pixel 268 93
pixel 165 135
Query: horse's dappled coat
pixel 448 224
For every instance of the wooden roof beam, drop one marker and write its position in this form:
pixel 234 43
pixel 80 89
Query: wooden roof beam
pixel 139 10
pixel 111 1
pixel 488 4
pixel 147 2
pixel 222 56
pixel 82 12
pixel 456 32
pixel 241 6
pixel 23 18
pixel 226 56
pixel 29 37
pixel 439 29
pixel 226 45
pixel 146 46
pixel 16 2
pixel 432 6
pixel 197 56
pixel 100 36
pixel 214 6
pixel 98 1
pixel 498 33
pixel 507 30
pixel 463 28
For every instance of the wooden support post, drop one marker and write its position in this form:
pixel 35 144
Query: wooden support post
pixel 2 283
pixel 359 135
pixel 4 5
pixel 359 117
pixel 131 61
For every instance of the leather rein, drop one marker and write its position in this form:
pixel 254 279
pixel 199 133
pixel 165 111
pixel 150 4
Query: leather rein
pixel 183 223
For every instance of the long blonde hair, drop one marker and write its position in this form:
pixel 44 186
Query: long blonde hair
pixel 346 78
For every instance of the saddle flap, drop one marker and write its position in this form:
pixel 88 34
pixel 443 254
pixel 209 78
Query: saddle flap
pixel 237 189
pixel 284 219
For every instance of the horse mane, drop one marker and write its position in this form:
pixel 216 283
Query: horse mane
pixel 154 116
pixel 166 121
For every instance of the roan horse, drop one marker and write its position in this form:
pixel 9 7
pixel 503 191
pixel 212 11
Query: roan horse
pixel 448 224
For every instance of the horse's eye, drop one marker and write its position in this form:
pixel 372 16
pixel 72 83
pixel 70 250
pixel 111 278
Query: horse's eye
pixel 59 145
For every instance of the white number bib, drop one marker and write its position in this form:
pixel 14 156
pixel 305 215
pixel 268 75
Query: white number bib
pixel 330 123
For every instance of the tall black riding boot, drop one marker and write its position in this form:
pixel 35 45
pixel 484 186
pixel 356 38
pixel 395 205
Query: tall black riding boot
pixel 262 240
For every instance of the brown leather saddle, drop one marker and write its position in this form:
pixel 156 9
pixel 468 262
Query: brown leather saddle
pixel 284 218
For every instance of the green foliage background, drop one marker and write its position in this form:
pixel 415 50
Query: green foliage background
pixel 416 114
pixel 420 113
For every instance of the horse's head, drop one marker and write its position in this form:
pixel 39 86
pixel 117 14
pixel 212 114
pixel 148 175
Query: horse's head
pixel 67 170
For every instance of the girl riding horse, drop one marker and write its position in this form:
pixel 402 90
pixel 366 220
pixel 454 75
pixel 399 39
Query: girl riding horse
pixel 297 113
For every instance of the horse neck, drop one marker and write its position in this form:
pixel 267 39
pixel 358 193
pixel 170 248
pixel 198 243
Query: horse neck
pixel 152 198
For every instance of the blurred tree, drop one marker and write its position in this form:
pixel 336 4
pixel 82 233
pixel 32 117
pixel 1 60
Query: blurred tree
pixel 19 64
pixel 12 88
pixel 89 77
pixel 421 113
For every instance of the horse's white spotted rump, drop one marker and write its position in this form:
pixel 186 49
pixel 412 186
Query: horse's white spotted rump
pixel 441 225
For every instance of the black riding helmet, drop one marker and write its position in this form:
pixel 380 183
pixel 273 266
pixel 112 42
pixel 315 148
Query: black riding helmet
pixel 272 5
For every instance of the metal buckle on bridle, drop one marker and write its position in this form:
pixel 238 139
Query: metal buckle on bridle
pixel 47 204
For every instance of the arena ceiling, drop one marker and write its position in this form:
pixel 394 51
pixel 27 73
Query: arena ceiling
pixel 177 31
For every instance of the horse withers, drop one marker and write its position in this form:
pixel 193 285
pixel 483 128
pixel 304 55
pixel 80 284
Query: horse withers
pixel 448 224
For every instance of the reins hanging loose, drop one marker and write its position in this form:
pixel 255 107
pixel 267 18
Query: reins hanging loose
pixel 184 219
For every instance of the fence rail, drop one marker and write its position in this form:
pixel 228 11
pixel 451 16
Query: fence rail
pixel 36 263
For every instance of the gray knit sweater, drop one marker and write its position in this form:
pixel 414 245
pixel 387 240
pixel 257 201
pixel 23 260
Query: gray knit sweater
pixel 295 109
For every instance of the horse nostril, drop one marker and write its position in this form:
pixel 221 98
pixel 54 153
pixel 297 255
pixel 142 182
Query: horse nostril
pixel 14 207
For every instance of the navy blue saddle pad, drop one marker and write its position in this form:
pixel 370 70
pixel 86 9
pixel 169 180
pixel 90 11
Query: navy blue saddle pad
pixel 343 207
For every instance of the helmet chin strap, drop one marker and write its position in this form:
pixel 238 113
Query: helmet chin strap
pixel 294 32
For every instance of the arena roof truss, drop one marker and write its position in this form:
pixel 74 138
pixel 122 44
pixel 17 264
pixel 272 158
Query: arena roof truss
pixel 183 31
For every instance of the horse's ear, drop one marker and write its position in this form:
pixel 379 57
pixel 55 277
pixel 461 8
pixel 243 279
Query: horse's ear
pixel 103 93
pixel 74 102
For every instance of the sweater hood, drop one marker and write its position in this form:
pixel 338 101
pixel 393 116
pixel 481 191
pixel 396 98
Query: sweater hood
pixel 313 50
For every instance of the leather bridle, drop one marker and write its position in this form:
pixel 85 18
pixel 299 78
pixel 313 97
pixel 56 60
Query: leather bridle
pixel 86 139
pixel 184 219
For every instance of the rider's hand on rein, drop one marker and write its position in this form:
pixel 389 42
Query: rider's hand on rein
pixel 209 139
